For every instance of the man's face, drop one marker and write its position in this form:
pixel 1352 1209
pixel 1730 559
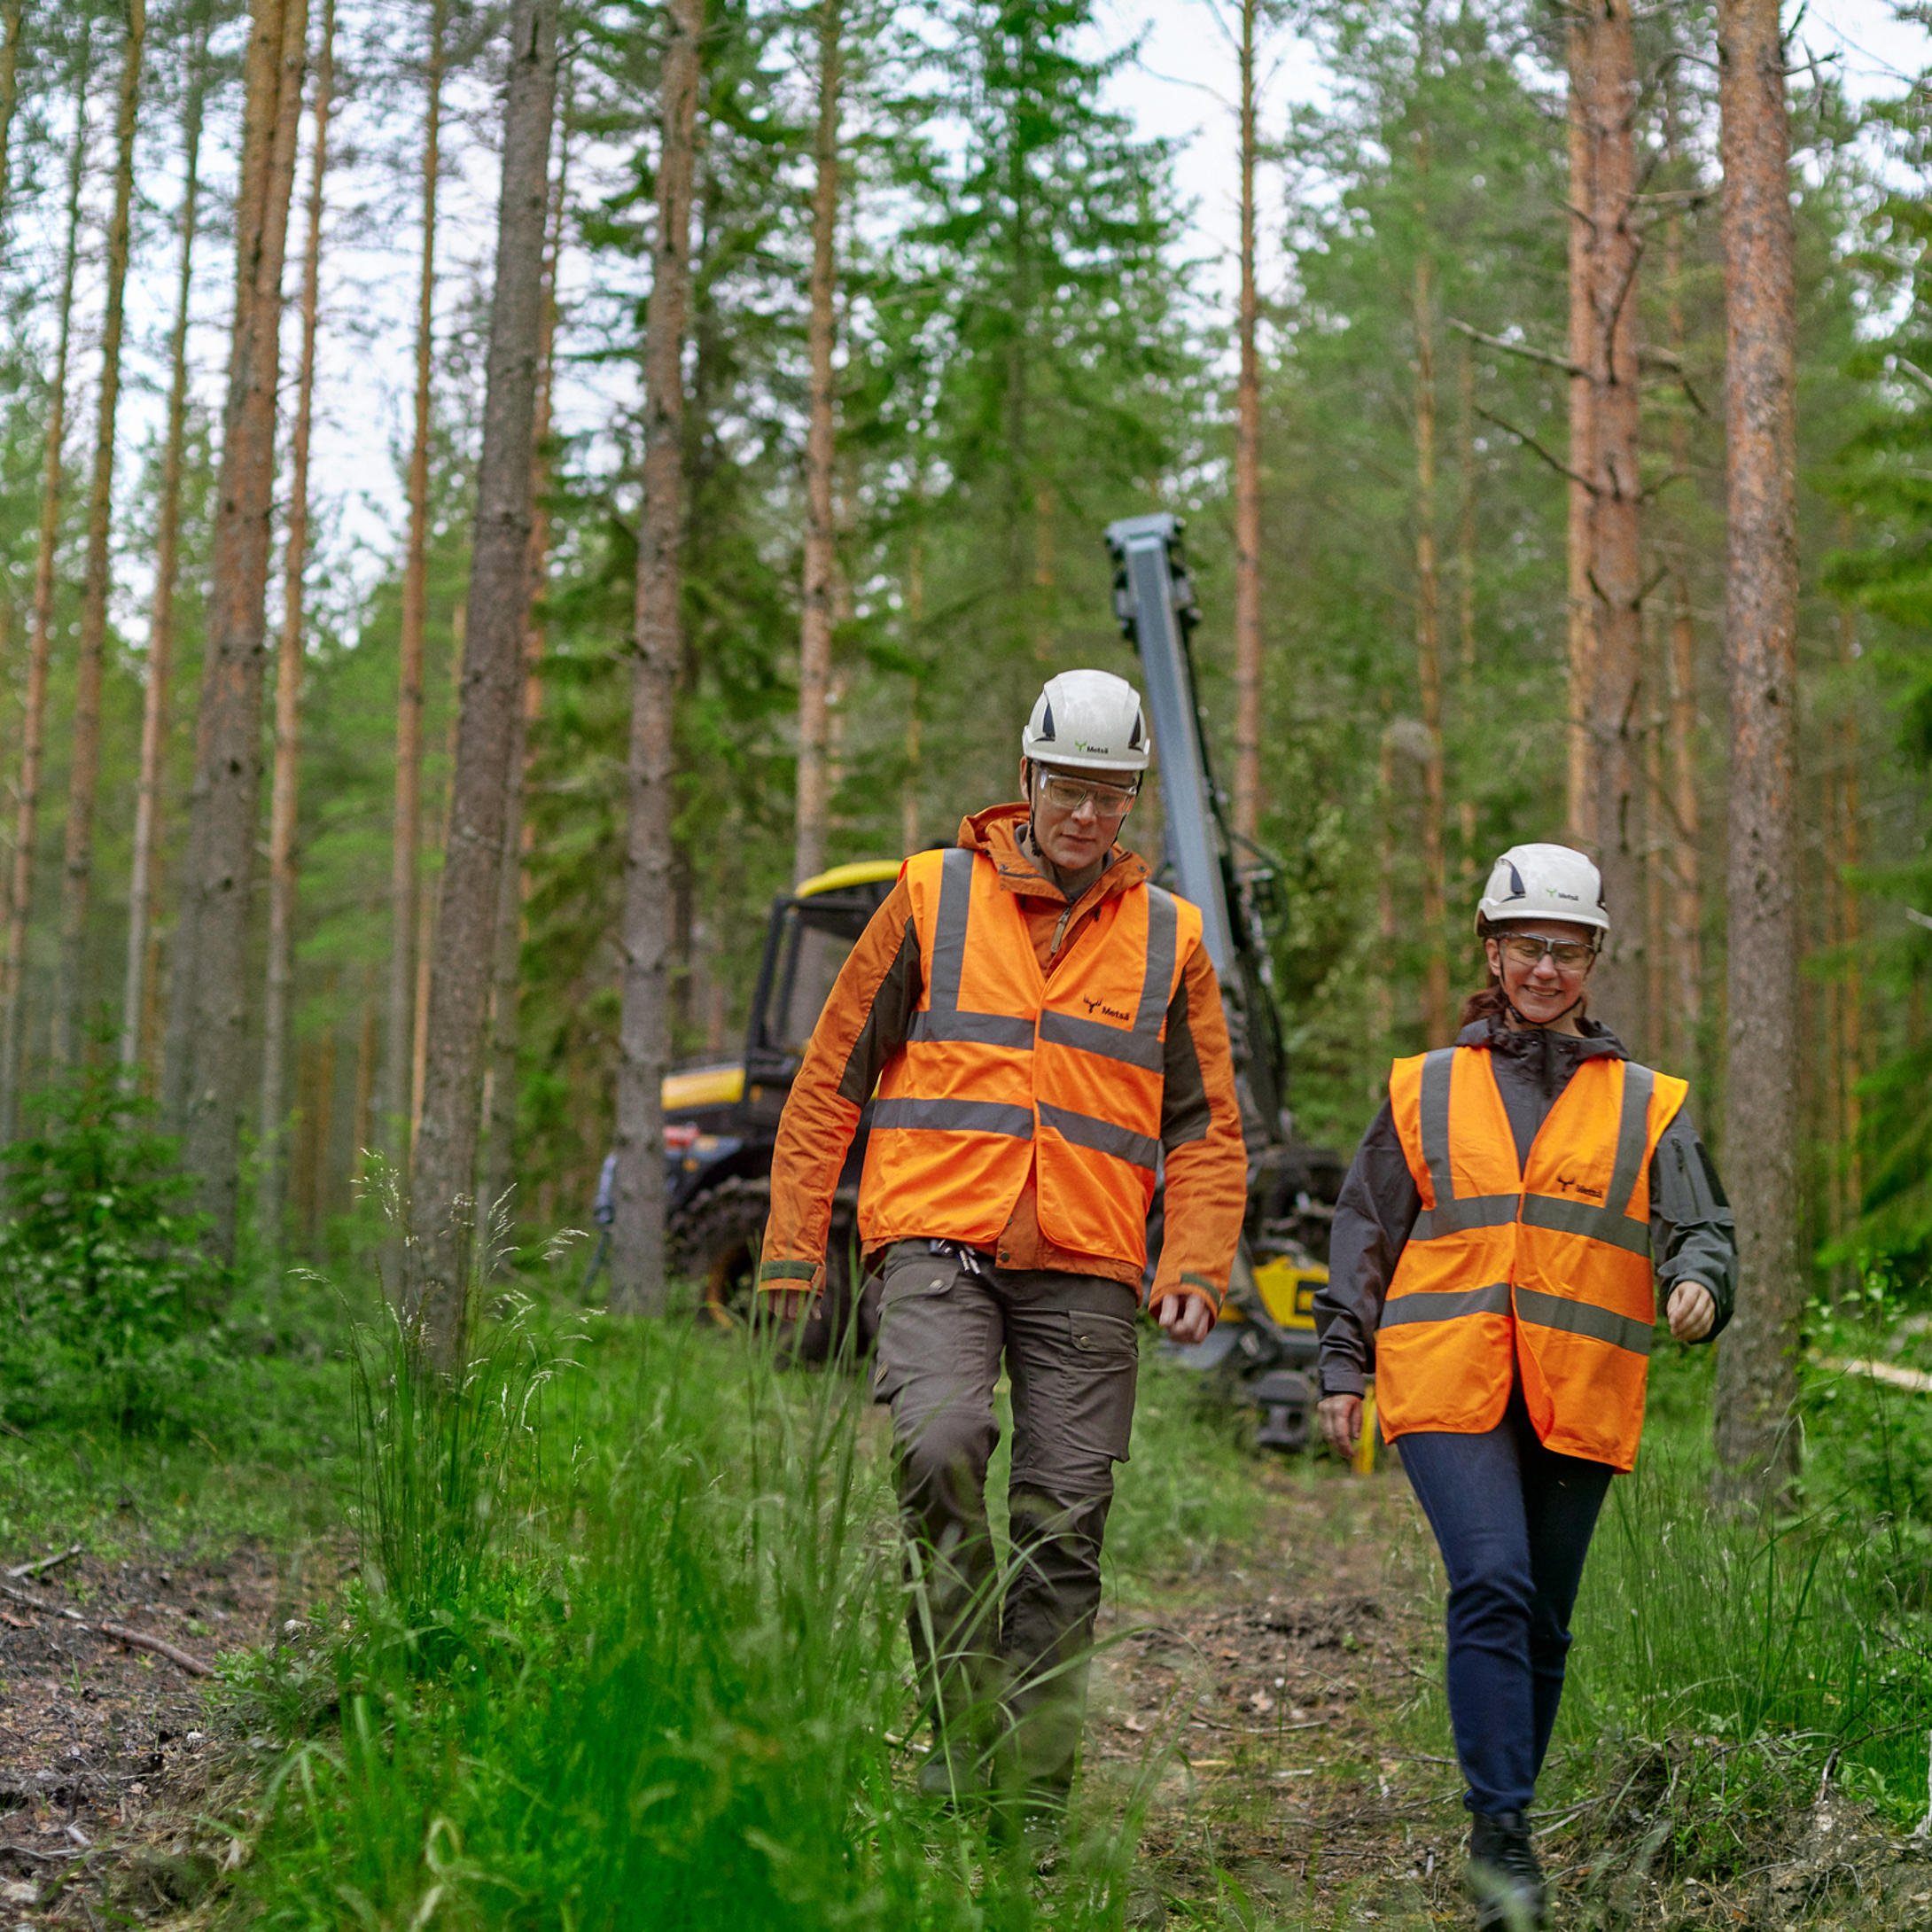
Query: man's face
pixel 1076 814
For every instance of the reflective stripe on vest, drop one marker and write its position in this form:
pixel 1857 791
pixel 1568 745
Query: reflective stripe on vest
pixel 1541 1271
pixel 1007 1072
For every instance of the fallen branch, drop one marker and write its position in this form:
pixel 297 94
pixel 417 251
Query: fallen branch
pixel 45 1563
pixel 1895 1375
pixel 134 1640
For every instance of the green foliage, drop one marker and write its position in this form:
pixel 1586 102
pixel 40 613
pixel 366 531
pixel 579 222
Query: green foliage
pixel 671 1664
pixel 112 1315
pixel 1723 1667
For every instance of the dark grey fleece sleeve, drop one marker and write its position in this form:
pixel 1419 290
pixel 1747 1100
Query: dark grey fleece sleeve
pixel 1377 1208
pixel 1692 1234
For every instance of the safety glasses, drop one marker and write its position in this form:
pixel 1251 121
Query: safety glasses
pixel 1528 948
pixel 1070 794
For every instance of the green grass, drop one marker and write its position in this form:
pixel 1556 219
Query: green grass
pixel 668 1665
pixel 1725 1674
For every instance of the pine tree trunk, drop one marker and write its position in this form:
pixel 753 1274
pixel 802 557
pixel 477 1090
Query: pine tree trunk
pixel 1580 612
pixel 11 15
pixel 321 1134
pixel 1656 857
pixel 405 874
pixel 1756 1441
pixel 442 1210
pixel 821 549
pixel 283 792
pixel 513 887
pixel 83 771
pixel 363 1123
pixel 425 916
pixel 39 652
pixel 212 934
pixel 638 1277
pixel 1850 927
pixel 915 617
pixel 1466 656
pixel 1685 831
pixel 160 654
pixel 1616 721
pixel 1436 1029
pixel 1248 477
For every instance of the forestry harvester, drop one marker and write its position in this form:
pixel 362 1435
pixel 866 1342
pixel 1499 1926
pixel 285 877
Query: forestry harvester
pixel 721 1121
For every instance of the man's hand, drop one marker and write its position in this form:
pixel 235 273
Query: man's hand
pixel 1691 1309
pixel 787 1304
pixel 1184 1318
pixel 1341 1423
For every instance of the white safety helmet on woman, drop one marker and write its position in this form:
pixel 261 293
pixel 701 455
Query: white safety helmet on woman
pixel 1543 882
pixel 1087 720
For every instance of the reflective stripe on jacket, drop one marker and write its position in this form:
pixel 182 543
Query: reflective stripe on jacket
pixel 1006 1070
pixel 1544 1267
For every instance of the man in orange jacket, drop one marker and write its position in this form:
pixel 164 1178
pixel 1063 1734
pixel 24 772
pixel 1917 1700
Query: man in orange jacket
pixel 1039 1033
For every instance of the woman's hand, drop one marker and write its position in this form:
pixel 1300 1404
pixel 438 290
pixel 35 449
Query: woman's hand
pixel 788 1303
pixel 1690 1309
pixel 1341 1423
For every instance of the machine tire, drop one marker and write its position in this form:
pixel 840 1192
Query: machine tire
pixel 714 1242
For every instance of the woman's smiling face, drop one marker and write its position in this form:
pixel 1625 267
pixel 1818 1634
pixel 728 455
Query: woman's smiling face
pixel 1540 987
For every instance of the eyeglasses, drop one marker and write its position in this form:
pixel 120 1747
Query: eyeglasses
pixel 1070 794
pixel 1528 949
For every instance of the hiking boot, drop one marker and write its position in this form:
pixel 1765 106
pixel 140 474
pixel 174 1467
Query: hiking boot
pixel 1504 1877
pixel 951 1776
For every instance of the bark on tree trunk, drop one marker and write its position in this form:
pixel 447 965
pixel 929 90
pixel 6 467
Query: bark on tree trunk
pixel 405 873
pixel 33 718
pixel 1685 831
pixel 1386 929
pixel 1471 860
pixel 284 795
pixel 1248 479
pixel 1657 868
pixel 212 934
pixel 513 888
pixel 1615 554
pixel 363 1123
pixel 442 1209
pixel 160 654
pixel 1434 1015
pixel 1756 1375
pixel 83 771
pixel 1850 925
pixel 821 549
pixel 1580 616
pixel 10 15
pixel 637 1279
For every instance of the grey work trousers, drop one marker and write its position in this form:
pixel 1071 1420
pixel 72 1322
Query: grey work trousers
pixel 1018 1653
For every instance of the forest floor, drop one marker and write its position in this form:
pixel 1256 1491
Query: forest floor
pixel 1278 1706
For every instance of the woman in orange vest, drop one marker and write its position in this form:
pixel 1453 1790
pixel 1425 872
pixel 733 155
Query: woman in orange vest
pixel 1499 1249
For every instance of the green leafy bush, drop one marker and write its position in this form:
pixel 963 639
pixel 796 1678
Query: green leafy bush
pixel 111 1308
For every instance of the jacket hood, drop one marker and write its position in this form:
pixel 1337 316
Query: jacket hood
pixel 995 831
pixel 1544 1058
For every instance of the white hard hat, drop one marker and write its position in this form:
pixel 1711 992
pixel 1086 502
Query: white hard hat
pixel 1089 721
pixel 1543 882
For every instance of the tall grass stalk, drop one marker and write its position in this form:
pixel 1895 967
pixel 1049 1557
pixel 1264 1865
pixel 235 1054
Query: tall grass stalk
pixel 671 1686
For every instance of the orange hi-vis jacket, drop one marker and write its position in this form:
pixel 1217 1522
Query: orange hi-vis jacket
pixel 1007 1072
pixel 1544 1270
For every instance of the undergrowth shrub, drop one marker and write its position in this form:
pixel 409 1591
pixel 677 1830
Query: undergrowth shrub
pixel 667 1682
pixel 113 1312
pixel 1726 1670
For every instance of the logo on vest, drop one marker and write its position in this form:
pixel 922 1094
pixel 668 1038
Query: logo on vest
pixel 1565 1184
pixel 1113 1012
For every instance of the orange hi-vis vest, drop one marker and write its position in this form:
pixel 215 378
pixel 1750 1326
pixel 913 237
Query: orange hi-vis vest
pixel 1545 1269
pixel 1006 1071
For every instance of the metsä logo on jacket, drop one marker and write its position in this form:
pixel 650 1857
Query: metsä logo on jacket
pixel 1590 1192
pixel 1112 1013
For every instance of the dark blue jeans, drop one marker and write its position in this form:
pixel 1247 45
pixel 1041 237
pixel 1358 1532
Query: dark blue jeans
pixel 1514 1522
